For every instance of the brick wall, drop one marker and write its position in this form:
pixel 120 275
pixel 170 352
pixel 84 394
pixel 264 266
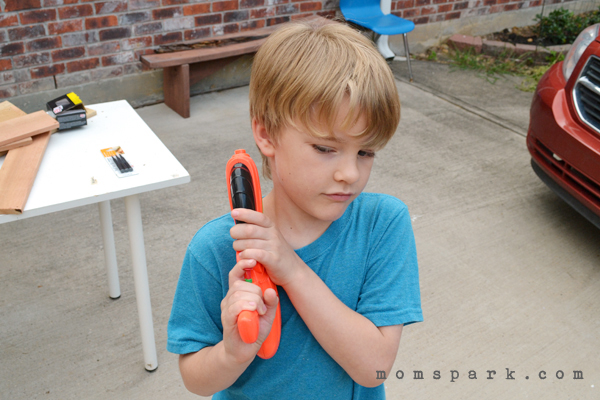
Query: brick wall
pixel 428 11
pixel 53 44
pixel 48 44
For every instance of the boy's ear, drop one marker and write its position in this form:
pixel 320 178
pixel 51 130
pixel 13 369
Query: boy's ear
pixel 262 139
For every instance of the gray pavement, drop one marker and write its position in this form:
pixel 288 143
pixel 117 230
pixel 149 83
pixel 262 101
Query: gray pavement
pixel 510 275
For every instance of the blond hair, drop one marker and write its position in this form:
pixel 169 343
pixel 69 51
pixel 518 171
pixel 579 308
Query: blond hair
pixel 303 73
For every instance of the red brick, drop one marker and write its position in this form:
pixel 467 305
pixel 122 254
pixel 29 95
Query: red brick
pixel 210 19
pixel 57 28
pixel 101 22
pixel 109 7
pixel 174 2
pixel 427 11
pixel 81 65
pixel 278 20
pixel 8 91
pixel 28 60
pixel 231 28
pixel 26 32
pixel 421 20
pixel 445 8
pixel 67 54
pixel 163 13
pixel 202 8
pixel 310 6
pixel 84 10
pixel 454 15
pixel 8 20
pixel 228 5
pixel 167 38
pixel 421 3
pixel 461 6
pixel 251 3
pixel 249 25
pixel 262 13
pixel 410 13
pixel 18 5
pixel 196 33
pixel 114 33
pixel 296 17
pixel 5 64
pixel 37 16
pixel 44 43
pixel 47 70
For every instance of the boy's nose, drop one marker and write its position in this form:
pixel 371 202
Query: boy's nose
pixel 347 171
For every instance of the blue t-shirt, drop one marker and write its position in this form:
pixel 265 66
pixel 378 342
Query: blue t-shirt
pixel 368 260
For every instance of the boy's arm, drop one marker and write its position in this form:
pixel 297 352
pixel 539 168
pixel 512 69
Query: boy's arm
pixel 210 370
pixel 352 340
pixel 215 368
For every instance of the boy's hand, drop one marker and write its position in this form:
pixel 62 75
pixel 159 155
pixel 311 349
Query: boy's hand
pixel 241 296
pixel 258 239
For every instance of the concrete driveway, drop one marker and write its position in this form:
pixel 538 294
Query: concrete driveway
pixel 510 275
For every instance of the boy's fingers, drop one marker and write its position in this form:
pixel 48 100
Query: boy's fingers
pixel 238 271
pixel 270 301
pixel 250 216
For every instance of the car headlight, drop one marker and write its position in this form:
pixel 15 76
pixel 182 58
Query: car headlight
pixel 585 38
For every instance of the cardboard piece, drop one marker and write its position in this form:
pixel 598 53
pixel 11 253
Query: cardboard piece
pixel 20 166
pixel 26 126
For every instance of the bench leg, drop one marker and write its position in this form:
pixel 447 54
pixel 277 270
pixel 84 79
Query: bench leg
pixel 176 88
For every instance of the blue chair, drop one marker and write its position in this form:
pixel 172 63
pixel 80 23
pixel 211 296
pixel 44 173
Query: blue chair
pixel 368 14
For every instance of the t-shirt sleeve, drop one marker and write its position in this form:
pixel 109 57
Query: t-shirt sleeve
pixel 195 320
pixel 390 294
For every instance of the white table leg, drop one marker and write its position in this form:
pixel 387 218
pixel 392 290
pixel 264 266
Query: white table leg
pixel 110 254
pixel 140 276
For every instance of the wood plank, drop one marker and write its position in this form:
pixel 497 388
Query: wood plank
pixel 14 145
pixel 176 87
pixel 20 166
pixel 18 173
pixel 10 111
pixel 26 126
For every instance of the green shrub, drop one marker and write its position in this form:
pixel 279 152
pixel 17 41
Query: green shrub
pixel 561 26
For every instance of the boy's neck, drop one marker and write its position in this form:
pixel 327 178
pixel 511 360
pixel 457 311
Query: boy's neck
pixel 297 230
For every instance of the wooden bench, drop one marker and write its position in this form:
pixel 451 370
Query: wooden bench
pixel 182 69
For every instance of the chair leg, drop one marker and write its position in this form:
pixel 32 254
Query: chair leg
pixel 407 53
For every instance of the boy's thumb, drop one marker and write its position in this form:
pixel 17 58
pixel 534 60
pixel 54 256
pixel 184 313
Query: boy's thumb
pixel 271 300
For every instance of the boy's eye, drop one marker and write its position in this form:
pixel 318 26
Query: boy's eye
pixel 322 149
pixel 366 153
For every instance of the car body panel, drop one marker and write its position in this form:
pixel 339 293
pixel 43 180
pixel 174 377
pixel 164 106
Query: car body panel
pixel 564 147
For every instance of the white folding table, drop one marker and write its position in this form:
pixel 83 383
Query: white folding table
pixel 74 173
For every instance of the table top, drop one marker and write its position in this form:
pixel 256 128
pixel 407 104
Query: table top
pixel 74 172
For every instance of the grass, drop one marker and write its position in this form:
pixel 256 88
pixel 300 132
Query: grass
pixel 494 67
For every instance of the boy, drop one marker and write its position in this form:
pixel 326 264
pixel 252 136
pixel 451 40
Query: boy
pixel 322 101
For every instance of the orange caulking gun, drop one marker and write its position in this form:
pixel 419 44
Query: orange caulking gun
pixel 244 192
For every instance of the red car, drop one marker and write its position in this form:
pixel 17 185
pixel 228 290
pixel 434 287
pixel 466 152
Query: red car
pixel 564 129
